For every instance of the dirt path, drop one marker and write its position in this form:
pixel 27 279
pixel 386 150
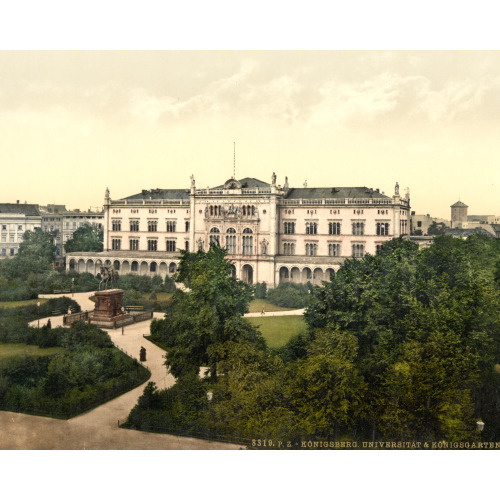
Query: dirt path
pixel 98 429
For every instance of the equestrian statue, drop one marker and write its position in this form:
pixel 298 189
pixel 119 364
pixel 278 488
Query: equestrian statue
pixel 108 274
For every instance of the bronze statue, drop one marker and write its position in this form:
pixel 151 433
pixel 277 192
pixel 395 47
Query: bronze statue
pixel 108 274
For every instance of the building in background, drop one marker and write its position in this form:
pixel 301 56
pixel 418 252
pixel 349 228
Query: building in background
pixel 272 233
pixel 62 223
pixel 15 219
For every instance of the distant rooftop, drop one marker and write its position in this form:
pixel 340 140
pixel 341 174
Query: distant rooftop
pixel 334 192
pixel 459 204
pixel 251 182
pixel 19 208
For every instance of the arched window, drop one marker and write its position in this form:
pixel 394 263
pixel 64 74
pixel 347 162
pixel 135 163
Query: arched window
pixel 211 210
pixel 231 240
pixel 152 267
pixel 244 210
pixel 247 241
pixel 214 236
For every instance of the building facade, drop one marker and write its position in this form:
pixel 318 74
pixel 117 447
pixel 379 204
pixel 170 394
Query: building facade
pixel 62 223
pixel 272 233
pixel 15 219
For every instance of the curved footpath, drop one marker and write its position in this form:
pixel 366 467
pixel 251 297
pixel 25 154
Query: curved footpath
pixel 98 429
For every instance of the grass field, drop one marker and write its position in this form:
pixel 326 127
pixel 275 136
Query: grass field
pixel 257 305
pixel 7 350
pixel 19 303
pixel 278 330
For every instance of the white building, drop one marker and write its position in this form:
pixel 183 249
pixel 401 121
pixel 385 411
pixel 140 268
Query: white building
pixel 15 219
pixel 272 233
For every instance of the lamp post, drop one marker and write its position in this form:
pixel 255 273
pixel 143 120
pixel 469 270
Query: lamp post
pixel 72 287
pixel 123 311
pixel 480 427
pixel 38 313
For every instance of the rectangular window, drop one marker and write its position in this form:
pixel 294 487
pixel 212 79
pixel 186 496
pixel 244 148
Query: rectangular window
pixel 4 252
pixel 4 227
pixel 334 228
pixel 134 244
pixel 187 226
pixel 382 228
pixel 334 249
pixel 74 226
pixel 358 228
pixel 289 227
pixel 231 243
pixel 134 226
pixel 11 238
pixel 170 226
pixel 12 252
pixel 152 245
pixel 4 238
pixel 152 226
pixel 170 245
pixel 289 248
pixel 311 228
pixel 419 223
pixel 358 250
pixel 311 249
pixel 116 225
pixel 116 244
pixel 19 228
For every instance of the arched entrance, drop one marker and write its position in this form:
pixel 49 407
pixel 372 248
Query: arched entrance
pixel 284 274
pixel 247 274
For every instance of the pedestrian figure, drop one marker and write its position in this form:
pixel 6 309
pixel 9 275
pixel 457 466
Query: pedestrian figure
pixel 49 324
pixel 263 312
pixel 69 311
pixel 142 354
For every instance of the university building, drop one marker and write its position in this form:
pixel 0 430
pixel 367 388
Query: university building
pixel 272 233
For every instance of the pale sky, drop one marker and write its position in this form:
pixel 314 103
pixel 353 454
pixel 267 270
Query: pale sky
pixel 74 123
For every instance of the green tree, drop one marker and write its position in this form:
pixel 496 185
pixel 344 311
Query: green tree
pixel 209 313
pixel 436 229
pixel 36 253
pixel 86 239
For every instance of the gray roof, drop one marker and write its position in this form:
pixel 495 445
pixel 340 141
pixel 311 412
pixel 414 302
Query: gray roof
pixel 160 194
pixel 334 192
pixel 249 182
pixel 459 204
pixel 19 208
pixel 458 232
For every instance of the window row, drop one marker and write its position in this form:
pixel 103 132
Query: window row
pixel 358 228
pixel 116 225
pixel 170 245
pixel 11 252
pixel 334 249
pixel 220 211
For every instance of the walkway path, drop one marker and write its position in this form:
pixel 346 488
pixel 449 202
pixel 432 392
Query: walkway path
pixel 98 429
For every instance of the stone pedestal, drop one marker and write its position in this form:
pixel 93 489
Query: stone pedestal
pixel 108 307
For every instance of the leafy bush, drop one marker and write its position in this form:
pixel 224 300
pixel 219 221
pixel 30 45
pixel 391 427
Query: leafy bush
pixel 293 295
pixel 260 291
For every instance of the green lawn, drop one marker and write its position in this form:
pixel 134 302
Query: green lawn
pixel 257 305
pixel 7 350
pixel 19 303
pixel 278 330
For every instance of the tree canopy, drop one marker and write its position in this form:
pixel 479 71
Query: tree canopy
pixel 86 239
pixel 208 314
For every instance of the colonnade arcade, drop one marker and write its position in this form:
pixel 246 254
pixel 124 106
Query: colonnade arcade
pixel 141 267
pixel 303 274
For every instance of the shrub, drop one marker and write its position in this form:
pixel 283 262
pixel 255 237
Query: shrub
pixel 260 291
pixel 293 295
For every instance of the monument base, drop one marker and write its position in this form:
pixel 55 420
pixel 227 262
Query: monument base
pixel 108 308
